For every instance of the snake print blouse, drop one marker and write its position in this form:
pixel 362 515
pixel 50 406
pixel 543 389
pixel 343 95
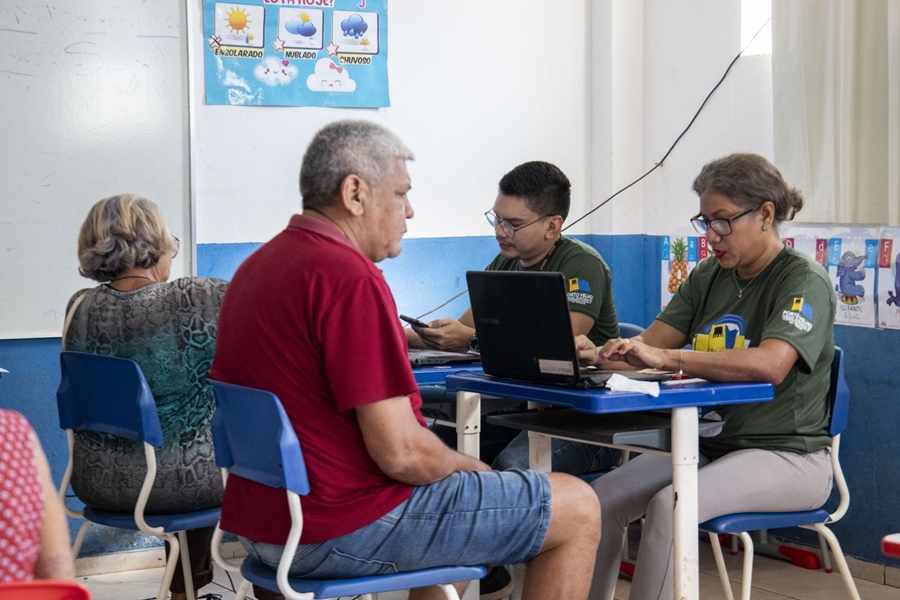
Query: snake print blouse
pixel 169 329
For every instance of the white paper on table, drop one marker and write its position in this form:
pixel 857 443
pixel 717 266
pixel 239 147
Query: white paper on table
pixel 620 383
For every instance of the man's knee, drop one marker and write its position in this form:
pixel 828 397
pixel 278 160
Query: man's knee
pixel 576 502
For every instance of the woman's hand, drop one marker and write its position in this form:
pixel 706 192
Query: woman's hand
pixel 633 352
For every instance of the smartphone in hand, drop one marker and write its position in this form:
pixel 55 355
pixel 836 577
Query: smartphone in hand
pixel 414 321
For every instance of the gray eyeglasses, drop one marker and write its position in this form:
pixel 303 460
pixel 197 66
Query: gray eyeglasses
pixel 505 226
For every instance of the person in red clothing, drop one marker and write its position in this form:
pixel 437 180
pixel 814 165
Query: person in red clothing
pixel 34 534
pixel 310 317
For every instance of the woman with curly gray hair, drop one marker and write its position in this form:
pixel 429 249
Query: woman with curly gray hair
pixel 169 329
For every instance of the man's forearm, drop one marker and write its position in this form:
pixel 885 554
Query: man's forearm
pixel 432 461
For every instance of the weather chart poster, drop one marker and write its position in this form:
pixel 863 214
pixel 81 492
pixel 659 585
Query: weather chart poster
pixel 679 256
pixel 850 255
pixel 889 278
pixel 296 53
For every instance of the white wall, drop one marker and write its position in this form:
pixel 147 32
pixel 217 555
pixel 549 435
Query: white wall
pixel 499 83
pixel 602 88
pixel 654 64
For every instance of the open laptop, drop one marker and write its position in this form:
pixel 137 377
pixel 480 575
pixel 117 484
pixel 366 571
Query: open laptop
pixel 422 358
pixel 525 332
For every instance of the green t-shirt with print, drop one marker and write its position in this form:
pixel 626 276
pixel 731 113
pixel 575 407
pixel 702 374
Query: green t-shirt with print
pixel 790 300
pixel 588 283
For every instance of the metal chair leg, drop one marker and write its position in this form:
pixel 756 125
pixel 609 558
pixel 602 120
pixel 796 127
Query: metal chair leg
pixel 450 591
pixel 170 567
pixel 186 570
pixel 79 538
pixel 243 590
pixel 826 558
pixel 747 575
pixel 839 559
pixel 720 565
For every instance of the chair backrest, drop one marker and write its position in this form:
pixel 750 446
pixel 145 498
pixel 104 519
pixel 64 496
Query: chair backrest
pixel 838 395
pixel 106 394
pixel 627 330
pixel 43 589
pixel 254 438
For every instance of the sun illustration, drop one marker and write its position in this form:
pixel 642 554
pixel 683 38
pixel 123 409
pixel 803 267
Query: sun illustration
pixel 237 20
pixel 304 17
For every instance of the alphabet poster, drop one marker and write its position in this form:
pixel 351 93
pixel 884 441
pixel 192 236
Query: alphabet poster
pixel 889 278
pixel 850 255
pixel 296 53
pixel 680 254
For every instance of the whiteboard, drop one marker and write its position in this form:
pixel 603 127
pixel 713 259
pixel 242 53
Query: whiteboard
pixel 93 102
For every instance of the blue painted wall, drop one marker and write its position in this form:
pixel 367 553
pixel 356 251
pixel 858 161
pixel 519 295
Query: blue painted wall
pixel 430 271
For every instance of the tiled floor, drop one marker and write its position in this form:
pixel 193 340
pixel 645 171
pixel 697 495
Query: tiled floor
pixel 772 580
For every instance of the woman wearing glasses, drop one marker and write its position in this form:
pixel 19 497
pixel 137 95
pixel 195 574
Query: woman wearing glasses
pixel 756 310
pixel 169 329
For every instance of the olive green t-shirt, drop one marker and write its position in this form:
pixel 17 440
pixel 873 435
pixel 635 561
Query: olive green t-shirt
pixel 588 283
pixel 790 300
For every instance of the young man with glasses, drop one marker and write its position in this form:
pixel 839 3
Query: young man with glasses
pixel 527 217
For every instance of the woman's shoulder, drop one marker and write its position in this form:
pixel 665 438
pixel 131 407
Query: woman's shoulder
pixel 198 287
pixel 797 263
pixel 75 298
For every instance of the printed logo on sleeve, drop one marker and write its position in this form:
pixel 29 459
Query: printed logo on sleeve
pixel 800 315
pixel 580 291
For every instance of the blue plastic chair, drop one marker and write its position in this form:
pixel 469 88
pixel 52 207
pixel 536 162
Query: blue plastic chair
pixel 254 439
pixel 741 523
pixel 110 395
pixel 630 330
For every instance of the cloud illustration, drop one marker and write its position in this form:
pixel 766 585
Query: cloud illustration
pixel 298 26
pixel 275 72
pixel 354 26
pixel 330 77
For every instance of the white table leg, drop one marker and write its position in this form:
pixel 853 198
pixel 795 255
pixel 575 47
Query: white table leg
pixel 685 452
pixel 540 448
pixel 540 452
pixel 468 423
pixel 468 441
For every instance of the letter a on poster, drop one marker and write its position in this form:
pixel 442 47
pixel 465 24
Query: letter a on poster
pixel 296 53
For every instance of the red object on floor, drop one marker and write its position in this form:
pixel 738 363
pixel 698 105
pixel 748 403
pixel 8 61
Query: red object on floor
pixel 627 569
pixel 801 558
pixel 890 544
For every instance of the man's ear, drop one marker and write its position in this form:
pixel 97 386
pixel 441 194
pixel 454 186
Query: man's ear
pixel 554 225
pixel 354 192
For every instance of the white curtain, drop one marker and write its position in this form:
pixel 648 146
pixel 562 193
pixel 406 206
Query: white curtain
pixel 836 88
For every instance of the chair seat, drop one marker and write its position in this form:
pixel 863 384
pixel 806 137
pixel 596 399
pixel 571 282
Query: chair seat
pixel 751 521
pixel 264 576
pixel 170 523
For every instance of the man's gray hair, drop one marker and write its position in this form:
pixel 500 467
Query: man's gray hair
pixel 347 148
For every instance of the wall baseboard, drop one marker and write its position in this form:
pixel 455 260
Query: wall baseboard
pixel 136 560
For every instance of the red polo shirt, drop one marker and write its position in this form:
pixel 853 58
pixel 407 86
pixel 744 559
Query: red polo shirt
pixel 311 319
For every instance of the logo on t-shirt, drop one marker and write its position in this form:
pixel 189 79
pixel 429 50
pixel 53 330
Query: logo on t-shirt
pixel 726 333
pixel 580 291
pixel 800 315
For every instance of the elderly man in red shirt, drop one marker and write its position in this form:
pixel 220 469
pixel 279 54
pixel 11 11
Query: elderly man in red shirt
pixel 310 317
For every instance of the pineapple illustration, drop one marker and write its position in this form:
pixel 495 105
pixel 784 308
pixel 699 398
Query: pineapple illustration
pixel 679 271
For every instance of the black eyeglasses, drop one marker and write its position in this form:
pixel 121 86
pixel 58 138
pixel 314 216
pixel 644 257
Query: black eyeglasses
pixel 719 226
pixel 177 246
pixel 505 226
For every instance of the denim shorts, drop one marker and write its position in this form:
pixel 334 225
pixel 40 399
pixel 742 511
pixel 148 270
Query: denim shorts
pixel 472 518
